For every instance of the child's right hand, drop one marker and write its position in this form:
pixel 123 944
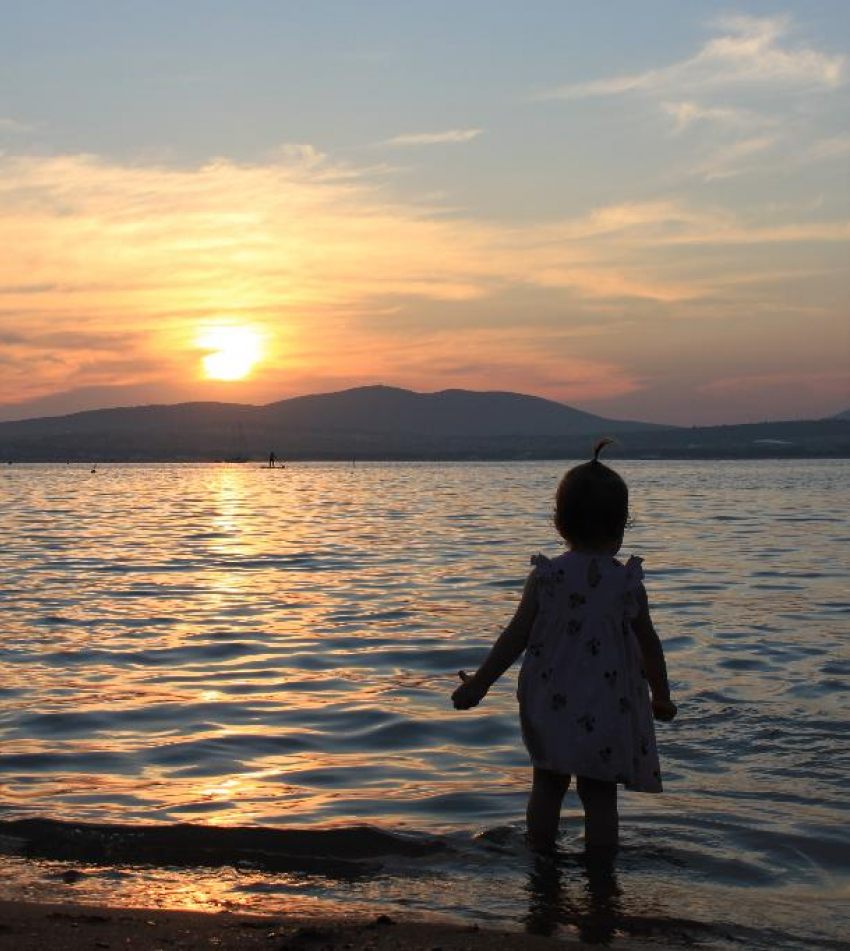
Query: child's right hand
pixel 664 710
pixel 468 694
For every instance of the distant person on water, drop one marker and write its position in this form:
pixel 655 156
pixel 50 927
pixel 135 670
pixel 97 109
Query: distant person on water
pixel 594 674
pixel 272 460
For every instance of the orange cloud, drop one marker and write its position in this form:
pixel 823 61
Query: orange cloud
pixel 110 269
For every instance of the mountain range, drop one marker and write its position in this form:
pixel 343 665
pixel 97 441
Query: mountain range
pixel 391 423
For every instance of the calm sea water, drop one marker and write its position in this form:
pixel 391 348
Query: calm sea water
pixel 228 647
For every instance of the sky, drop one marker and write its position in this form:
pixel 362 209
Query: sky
pixel 641 210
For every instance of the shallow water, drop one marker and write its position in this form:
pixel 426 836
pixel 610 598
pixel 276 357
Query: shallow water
pixel 232 646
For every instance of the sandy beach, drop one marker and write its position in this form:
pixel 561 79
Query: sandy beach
pixel 26 926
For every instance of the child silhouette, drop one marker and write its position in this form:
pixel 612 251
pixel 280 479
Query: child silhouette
pixel 592 656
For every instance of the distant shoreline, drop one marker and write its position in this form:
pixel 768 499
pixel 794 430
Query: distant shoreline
pixel 257 463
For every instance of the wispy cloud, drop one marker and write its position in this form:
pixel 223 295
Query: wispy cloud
pixel 762 153
pixel 688 113
pixel 433 138
pixel 748 52
pixel 736 158
pixel 737 87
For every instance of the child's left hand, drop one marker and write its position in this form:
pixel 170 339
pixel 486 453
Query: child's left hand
pixel 468 694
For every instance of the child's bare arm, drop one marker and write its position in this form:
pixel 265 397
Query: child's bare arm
pixel 507 648
pixel 653 660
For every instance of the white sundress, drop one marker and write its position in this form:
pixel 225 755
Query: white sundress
pixel 584 700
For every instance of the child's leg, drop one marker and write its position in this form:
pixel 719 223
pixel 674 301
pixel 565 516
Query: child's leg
pixel 544 807
pixel 601 821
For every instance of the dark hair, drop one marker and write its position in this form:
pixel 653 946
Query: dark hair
pixel 592 503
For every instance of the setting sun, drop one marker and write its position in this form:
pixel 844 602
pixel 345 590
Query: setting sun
pixel 233 352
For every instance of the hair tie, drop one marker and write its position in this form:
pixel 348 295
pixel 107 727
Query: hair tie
pixel 599 446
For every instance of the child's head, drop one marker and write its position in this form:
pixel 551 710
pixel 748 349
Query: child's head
pixel 592 505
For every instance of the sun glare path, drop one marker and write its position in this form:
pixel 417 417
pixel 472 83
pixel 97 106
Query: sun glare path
pixel 234 351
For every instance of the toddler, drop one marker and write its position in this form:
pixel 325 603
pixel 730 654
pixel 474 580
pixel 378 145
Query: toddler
pixel 592 656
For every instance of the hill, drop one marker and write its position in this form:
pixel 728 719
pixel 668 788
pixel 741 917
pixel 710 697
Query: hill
pixel 373 420
pixel 387 410
pixel 380 422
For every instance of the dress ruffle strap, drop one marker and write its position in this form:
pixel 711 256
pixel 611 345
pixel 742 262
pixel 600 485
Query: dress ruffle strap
pixel 545 571
pixel 634 570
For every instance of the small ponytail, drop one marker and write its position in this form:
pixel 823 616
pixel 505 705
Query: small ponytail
pixel 599 446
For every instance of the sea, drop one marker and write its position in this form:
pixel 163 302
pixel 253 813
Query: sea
pixel 228 687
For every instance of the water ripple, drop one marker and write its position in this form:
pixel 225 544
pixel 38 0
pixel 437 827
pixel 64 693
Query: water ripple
pixel 198 644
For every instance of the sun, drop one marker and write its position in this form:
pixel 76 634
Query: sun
pixel 233 351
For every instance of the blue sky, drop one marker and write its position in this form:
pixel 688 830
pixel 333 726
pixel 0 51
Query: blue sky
pixel 639 209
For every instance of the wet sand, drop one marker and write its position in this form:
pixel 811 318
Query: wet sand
pixel 28 926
